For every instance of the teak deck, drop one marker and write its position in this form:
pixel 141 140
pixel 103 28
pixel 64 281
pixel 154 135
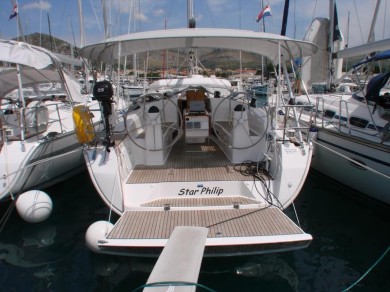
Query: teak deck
pixel 221 223
pixel 190 162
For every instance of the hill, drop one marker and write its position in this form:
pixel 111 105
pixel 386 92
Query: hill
pixel 209 58
pixel 50 43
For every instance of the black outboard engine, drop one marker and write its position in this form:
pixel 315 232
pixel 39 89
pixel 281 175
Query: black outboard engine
pixel 103 93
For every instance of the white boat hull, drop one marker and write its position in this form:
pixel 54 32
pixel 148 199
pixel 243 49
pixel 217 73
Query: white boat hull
pixel 373 155
pixel 45 163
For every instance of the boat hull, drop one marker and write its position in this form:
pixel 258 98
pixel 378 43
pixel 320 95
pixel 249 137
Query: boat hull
pixel 373 155
pixel 46 163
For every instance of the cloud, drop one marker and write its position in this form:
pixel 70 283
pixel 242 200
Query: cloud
pixel 158 12
pixel 217 6
pixel 142 17
pixel 44 5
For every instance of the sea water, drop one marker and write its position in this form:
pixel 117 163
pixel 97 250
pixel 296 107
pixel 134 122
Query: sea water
pixel 350 235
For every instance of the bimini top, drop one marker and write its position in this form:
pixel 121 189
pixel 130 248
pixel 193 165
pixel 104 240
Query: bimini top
pixel 265 44
pixel 27 55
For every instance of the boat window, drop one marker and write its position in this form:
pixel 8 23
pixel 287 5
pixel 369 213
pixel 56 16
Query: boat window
pixel 358 122
pixel 337 117
pixel 309 107
pixel 372 127
pixel 329 114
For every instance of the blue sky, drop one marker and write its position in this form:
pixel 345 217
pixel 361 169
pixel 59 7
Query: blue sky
pixel 152 15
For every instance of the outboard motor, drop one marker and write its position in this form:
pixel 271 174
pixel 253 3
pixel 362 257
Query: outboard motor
pixel 103 93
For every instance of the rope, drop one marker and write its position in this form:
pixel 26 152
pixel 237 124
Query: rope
pixel 353 161
pixel 173 283
pixel 369 270
pixel 296 215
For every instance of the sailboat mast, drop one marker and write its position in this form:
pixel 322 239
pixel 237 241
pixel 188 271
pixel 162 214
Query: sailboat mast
pixel 330 45
pixel 191 24
pixel 190 12
pixel 285 17
pixel 106 20
pixel 262 57
pixel 347 41
pixel 135 28
pixel 19 22
pixel 82 40
pixel 371 36
pixel 51 38
pixel 164 54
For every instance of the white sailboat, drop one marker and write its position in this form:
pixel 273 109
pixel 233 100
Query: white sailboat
pixel 38 146
pixel 196 156
pixel 353 144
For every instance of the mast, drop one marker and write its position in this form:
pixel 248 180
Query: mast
pixel 40 25
pixel 164 54
pixel 285 17
pixel 19 22
pixel 82 40
pixel 105 20
pixel 190 12
pixel 371 36
pixel 128 31
pixel 191 24
pixel 135 65
pixel 346 44
pixel 50 36
pixel 330 45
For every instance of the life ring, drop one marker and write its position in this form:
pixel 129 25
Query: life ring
pixel 82 118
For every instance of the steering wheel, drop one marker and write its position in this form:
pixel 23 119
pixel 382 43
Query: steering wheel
pixel 234 110
pixel 152 119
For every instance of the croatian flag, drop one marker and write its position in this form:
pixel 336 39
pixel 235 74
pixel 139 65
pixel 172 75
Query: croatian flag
pixel 14 12
pixel 265 12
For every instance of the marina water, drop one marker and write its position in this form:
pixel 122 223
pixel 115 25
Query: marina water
pixel 350 235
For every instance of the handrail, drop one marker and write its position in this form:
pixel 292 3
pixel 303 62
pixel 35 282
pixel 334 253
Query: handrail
pixel 341 102
pixel 17 111
pixel 285 120
pixel 318 100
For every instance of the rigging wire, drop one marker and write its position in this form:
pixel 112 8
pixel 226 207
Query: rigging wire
pixel 360 27
pixel 314 11
pixel 168 11
pixel 97 19
pixel 208 10
pixel 384 22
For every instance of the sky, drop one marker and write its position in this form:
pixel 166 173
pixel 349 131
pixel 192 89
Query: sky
pixel 158 14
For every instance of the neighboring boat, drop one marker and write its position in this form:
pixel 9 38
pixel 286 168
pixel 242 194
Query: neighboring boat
pixel 39 146
pixel 196 156
pixel 353 135
pixel 352 128
pixel 131 91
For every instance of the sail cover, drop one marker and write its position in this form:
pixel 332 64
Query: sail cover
pixel 375 85
pixel 380 56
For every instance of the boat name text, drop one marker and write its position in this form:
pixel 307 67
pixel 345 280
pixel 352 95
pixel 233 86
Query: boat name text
pixel 203 191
